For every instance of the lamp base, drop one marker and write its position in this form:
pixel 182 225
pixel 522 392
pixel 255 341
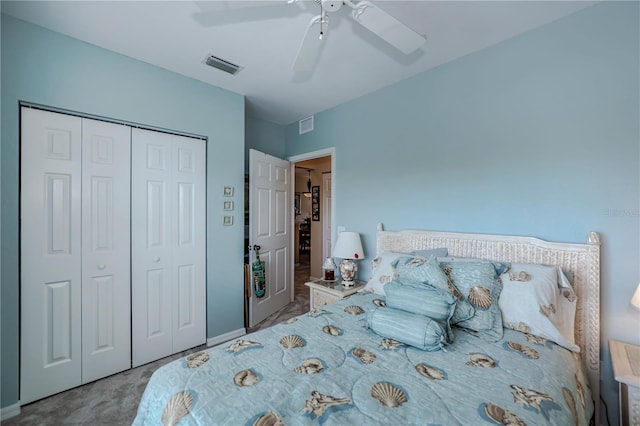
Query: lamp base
pixel 348 269
pixel 348 284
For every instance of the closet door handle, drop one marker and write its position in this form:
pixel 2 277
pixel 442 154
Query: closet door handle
pixel 102 266
pixel 156 259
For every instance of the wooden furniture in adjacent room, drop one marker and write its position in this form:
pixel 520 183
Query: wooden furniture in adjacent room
pixel 304 239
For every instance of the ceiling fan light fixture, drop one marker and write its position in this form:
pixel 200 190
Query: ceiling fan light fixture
pixel 221 64
pixel 331 5
pixel 307 193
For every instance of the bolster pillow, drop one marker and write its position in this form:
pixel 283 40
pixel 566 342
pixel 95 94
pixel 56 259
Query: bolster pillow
pixel 422 299
pixel 411 329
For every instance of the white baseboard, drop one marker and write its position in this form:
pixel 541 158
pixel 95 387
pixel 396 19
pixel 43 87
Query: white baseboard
pixel 9 411
pixel 213 341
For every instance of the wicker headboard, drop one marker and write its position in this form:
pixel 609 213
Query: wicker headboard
pixel 582 260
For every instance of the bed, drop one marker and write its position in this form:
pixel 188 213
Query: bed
pixel 330 367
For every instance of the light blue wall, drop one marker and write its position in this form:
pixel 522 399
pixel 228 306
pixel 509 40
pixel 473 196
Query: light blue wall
pixel 263 136
pixel 535 136
pixel 48 68
pixel 538 135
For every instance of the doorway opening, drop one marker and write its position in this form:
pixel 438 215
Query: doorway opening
pixel 312 221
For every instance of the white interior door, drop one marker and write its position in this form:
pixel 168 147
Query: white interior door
pixel 151 266
pixel 168 244
pixel 189 322
pixel 106 277
pixel 50 253
pixel 326 215
pixel 270 215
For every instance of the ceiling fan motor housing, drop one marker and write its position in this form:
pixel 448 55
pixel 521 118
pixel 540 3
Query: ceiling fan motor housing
pixel 331 5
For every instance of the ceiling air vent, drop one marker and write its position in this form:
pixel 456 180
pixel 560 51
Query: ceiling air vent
pixel 223 65
pixel 305 125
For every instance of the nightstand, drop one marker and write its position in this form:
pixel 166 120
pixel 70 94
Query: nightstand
pixel 326 293
pixel 625 358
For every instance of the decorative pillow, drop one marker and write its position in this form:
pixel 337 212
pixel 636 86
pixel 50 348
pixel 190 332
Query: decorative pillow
pixel 422 270
pixel 428 271
pixel 539 300
pixel 501 267
pixel 421 299
pixel 411 329
pixel 479 285
pixel 382 271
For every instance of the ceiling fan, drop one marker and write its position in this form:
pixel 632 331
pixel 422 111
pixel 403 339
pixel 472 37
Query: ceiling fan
pixel 367 14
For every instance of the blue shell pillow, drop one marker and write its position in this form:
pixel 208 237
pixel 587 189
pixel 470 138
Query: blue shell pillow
pixel 501 267
pixel 411 329
pixel 429 272
pixel 421 299
pixel 383 267
pixel 480 286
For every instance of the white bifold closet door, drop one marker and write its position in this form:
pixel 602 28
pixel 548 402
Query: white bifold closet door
pixel 106 249
pixel 74 253
pixel 168 244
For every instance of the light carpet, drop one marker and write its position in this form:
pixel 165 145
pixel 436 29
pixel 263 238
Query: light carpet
pixel 114 400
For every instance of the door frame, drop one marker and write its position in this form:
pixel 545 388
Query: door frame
pixel 327 200
pixel 326 152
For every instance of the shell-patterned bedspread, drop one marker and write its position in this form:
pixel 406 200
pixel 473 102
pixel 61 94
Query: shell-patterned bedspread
pixel 327 368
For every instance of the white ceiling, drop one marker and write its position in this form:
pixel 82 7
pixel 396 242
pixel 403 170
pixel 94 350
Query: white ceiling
pixel 179 35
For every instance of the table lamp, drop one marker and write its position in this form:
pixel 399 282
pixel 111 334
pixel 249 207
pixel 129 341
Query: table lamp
pixel 349 248
pixel 635 299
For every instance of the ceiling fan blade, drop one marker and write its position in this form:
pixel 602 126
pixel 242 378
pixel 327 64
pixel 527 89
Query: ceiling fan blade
pixel 311 44
pixel 386 26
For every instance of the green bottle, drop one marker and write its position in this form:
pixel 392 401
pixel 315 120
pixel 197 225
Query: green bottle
pixel 259 281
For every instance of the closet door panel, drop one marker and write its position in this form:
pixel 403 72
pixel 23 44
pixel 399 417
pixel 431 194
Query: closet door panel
pixel 50 253
pixel 151 242
pixel 106 282
pixel 189 313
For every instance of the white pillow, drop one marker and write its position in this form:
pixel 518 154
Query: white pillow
pixel 539 300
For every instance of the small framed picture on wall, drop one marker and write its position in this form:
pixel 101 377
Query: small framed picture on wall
pixel 228 191
pixel 228 205
pixel 315 203
pixel 227 221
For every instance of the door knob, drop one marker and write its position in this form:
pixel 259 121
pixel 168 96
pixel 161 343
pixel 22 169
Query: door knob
pixel 156 259
pixel 102 266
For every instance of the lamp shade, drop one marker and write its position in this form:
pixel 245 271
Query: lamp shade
pixel 635 299
pixel 348 246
